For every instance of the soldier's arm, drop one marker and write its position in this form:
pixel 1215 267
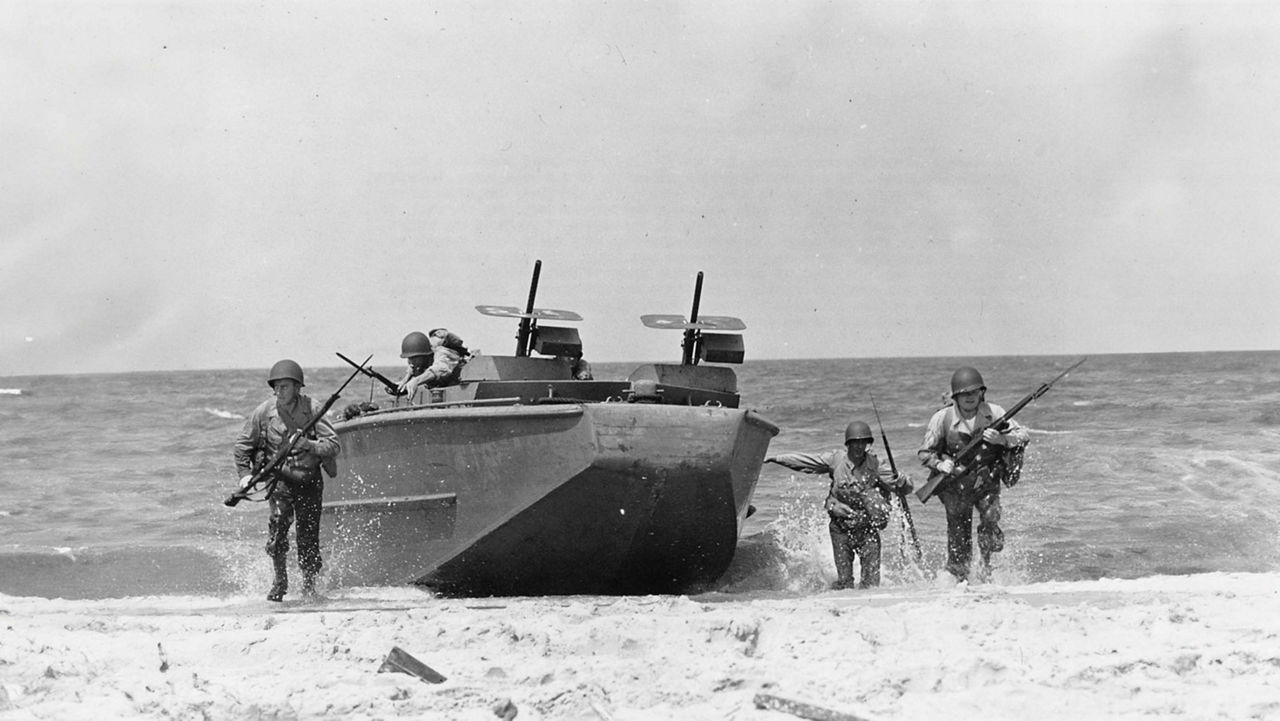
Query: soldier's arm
pixel 325 444
pixel 887 480
pixel 803 462
pixel 248 441
pixel 442 366
pixel 1015 436
pixel 930 453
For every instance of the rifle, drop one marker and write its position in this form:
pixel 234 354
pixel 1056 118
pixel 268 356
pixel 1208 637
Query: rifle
pixel 267 473
pixel 902 494
pixel 392 386
pixel 978 450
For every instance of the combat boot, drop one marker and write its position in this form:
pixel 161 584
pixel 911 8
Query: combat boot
pixel 985 568
pixel 309 585
pixel 281 584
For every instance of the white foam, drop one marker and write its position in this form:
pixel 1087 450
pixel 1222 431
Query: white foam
pixel 1040 432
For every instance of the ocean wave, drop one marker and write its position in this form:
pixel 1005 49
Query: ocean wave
pixel 38 555
pixel 1268 417
pixel 10 391
pixel 223 414
pixel 85 572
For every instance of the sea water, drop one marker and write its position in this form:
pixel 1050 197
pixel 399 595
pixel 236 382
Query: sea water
pixel 1139 465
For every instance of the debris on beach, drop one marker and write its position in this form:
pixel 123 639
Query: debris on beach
pixel 400 661
pixel 505 709
pixel 802 710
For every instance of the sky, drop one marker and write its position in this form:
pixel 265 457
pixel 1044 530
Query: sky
pixel 203 185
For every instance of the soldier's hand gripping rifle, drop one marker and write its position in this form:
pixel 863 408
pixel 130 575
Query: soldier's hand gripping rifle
pixel 977 452
pixel 392 387
pixel 266 475
pixel 901 493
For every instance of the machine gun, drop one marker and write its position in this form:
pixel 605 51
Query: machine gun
pixel 267 475
pixel 977 452
pixel 392 387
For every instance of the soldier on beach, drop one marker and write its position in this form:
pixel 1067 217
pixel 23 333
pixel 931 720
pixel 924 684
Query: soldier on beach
pixel 977 486
pixel 857 501
pixel 299 487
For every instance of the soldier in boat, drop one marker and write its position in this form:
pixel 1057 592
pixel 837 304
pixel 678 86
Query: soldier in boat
pixel 416 349
pixel 447 355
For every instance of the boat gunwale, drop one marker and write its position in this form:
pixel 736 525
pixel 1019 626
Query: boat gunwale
pixel 756 419
pixel 459 412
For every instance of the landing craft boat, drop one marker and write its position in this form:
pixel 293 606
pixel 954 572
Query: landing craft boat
pixel 521 480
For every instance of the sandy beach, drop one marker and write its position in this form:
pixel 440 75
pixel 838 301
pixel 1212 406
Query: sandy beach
pixel 1204 646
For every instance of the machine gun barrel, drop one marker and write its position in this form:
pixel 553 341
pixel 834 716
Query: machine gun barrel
pixel 391 385
pixel 526 322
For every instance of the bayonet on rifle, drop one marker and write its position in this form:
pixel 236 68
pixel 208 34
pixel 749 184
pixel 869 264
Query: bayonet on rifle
pixel 267 474
pixel 975 447
pixel 901 494
pixel 392 386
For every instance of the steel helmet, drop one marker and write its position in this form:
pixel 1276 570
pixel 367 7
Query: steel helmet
pixel 285 369
pixel 416 343
pixel 858 431
pixel 966 379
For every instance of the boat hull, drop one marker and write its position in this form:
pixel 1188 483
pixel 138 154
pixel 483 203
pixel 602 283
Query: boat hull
pixel 543 499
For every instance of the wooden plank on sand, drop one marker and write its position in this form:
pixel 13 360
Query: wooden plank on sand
pixel 803 710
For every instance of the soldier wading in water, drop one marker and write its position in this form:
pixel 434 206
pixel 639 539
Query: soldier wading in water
pixel 857 501
pixel 978 486
pixel 298 486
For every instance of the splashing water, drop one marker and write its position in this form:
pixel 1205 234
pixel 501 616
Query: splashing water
pixel 793 554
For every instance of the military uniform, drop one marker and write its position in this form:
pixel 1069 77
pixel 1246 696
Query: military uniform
pixel 299 488
pixel 865 488
pixel 978 488
pixel 580 369
pixel 443 369
pixel 448 355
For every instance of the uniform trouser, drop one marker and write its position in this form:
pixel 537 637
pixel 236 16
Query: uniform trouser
pixel 862 542
pixel 960 497
pixel 300 500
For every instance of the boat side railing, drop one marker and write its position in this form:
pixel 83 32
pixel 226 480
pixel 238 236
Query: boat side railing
pixel 512 401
